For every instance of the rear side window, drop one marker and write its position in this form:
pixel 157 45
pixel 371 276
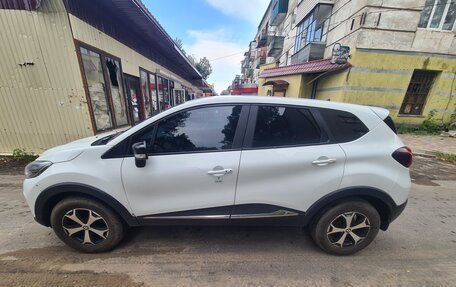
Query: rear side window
pixel 285 126
pixel 344 126
pixel 389 122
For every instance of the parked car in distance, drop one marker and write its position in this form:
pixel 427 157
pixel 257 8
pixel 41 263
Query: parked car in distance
pixel 338 169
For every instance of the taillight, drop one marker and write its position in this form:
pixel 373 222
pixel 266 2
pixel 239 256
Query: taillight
pixel 403 156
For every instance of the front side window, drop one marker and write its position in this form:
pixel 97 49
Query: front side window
pixel 203 129
pixel 438 14
pixel 285 126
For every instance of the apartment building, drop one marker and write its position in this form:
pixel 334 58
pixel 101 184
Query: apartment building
pixel 71 69
pixel 402 54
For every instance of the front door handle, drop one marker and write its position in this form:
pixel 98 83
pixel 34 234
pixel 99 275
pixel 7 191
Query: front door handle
pixel 220 172
pixel 324 161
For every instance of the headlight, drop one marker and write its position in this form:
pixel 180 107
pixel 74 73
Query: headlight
pixel 36 168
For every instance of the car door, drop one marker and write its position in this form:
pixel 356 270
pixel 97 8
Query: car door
pixel 287 164
pixel 192 165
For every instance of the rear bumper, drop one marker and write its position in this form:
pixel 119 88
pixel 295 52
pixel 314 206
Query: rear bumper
pixel 397 210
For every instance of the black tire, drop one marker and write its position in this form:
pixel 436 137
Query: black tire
pixel 357 212
pixel 106 223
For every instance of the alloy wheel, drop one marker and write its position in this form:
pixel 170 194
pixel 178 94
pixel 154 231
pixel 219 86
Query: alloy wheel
pixel 348 229
pixel 85 226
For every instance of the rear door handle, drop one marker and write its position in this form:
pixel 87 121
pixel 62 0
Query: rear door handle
pixel 220 172
pixel 322 162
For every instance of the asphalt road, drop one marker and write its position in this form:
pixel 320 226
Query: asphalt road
pixel 419 249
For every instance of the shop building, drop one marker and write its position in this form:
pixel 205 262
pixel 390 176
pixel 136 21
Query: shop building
pixel 72 69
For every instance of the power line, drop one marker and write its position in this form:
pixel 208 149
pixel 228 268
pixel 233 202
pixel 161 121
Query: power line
pixel 222 57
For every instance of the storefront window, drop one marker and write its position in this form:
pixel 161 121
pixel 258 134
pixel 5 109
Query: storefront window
pixel 146 94
pixel 93 71
pixel 163 94
pixel 117 91
pixel 179 97
pixel 153 92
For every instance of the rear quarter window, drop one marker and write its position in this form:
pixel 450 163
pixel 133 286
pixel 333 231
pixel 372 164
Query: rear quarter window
pixel 344 126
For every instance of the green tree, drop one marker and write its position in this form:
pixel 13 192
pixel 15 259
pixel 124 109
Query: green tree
pixel 204 67
pixel 180 45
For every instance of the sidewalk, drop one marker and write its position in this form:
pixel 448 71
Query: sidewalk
pixel 428 144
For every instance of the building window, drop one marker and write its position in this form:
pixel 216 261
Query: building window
pixel 149 93
pixel 313 28
pixel 417 92
pixel 163 93
pixel 438 14
pixel 108 103
pixel 117 91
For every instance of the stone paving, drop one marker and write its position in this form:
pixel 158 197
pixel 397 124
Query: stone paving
pixel 427 144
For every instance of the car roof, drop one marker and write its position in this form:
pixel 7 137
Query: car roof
pixel 369 116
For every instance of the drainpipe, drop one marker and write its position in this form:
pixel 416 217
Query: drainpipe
pixel 313 95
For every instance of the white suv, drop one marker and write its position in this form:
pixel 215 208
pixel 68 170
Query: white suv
pixel 338 169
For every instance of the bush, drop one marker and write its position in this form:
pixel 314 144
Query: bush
pixel 23 155
pixel 451 157
pixel 429 126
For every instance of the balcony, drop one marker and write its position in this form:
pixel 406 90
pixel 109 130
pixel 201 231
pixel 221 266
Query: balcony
pixel 263 38
pixel 278 12
pixel 275 46
pixel 260 61
pixel 312 51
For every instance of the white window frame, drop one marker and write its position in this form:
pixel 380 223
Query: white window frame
pixel 442 20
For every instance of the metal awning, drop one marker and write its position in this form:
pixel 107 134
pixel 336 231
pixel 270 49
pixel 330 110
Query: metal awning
pixel 312 67
pixel 276 83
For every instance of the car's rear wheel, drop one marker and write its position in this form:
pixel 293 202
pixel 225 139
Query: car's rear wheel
pixel 346 228
pixel 86 225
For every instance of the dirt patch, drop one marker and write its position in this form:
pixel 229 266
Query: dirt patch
pixel 425 170
pixel 12 166
pixel 42 267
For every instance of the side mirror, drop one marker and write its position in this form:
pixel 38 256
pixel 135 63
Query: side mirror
pixel 140 152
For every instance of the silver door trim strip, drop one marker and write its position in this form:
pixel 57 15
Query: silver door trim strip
pixel 277 213
pixel 224 216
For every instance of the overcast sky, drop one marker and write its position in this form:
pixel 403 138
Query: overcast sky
pixel 212 29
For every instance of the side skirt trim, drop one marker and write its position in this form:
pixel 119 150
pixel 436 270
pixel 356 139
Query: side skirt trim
pixel 277 213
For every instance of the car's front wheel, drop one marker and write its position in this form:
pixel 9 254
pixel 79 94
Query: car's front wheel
pixel 86 225
pixel 346 228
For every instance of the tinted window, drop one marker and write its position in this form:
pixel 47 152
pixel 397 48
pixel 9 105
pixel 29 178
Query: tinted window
pixel 204 129
pixel 344 126
pixel 285 126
